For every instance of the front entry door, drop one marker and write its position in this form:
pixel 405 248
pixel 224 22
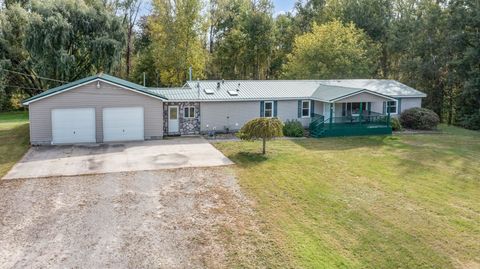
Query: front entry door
pixel 173 119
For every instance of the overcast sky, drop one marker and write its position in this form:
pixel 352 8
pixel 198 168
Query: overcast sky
pixel 281 6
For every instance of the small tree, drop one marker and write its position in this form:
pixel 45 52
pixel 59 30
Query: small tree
pixel 261 128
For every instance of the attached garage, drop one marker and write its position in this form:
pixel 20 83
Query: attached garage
pixel 76 125
pixel 96 109
pixel 123 124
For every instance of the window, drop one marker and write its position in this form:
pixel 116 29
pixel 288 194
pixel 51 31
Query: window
pixel 305 109
pixel 268 109
pixel 391 107
pixel 189 112
pixel 353 109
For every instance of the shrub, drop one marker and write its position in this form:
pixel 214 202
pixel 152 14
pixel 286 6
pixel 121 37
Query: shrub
pixel 419 118
pixel 293 128
pixel 396 125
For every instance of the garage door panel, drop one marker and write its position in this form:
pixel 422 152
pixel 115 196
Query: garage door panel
pixel 123 124
pixel 70 126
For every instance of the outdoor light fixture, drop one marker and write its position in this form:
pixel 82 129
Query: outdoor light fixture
pixel 98 84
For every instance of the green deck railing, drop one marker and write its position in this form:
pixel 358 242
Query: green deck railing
pixel 372 124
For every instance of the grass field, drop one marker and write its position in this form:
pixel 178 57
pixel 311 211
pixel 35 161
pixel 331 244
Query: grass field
pixel 14 139
pixel 406 201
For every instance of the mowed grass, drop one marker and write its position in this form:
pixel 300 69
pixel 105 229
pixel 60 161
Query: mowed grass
pixel 406 201
pixel 14 139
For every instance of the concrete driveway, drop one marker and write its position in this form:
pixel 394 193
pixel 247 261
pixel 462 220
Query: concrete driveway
pixel 51 161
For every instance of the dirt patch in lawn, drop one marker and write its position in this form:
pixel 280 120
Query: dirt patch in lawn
pixel 184 218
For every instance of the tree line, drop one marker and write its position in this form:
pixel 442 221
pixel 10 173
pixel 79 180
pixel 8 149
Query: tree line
pixel 431 45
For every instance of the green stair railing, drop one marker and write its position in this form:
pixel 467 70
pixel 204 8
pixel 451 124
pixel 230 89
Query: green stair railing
pixel 317 125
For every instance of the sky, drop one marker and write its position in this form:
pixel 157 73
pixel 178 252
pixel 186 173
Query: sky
pixel 281 6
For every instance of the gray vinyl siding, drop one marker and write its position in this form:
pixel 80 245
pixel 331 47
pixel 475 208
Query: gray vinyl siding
pixel 319 107
pixel 337 112
pixel 363 97
pixel 214 114
pixel 410 103
pixel 88 96
pixel 288 110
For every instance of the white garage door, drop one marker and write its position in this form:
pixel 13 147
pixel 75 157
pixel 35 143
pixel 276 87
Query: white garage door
pixel 123 124
pixel 70 126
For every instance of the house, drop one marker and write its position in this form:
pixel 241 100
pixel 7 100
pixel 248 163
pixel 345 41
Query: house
pixel 104 108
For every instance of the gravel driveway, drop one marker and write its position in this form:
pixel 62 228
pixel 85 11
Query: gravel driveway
pixel 161 219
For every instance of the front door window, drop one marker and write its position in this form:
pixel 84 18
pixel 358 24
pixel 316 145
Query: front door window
pixel 173 113
pixel 173 123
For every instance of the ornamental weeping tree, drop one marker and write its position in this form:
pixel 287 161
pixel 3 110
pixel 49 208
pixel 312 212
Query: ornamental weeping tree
pixel 261 128
pixel 71 39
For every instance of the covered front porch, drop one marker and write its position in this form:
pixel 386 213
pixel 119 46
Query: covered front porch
pixel 361 113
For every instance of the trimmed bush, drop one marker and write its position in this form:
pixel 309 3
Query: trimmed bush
pixel 396 125
pixel 293 128
pixel 419 119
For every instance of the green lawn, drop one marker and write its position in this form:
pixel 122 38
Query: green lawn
pixel 14 139
pixel 406 201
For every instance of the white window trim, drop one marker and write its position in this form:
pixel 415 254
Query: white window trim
pixel 396 107
pixel 309 108
pixel 265 109
pixel 189 116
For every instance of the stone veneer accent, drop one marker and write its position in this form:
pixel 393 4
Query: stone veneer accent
pixel 187 126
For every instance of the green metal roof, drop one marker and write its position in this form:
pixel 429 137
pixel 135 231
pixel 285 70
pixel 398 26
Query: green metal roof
pixel 104 77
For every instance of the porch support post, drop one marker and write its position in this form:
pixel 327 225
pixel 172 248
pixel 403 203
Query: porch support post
pixel 388 115
pixel 361 112
pixel 331 114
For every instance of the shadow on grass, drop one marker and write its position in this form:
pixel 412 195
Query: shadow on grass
pixel 248 158
pixel 345 143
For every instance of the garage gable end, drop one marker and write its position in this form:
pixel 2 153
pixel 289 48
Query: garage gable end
pixel 94 79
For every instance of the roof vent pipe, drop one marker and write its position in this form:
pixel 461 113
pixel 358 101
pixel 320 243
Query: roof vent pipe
pixel 218 85
pixel 190 73
pixel 198 88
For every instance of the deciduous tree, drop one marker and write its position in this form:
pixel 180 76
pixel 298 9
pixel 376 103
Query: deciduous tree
pixel 332 50
pixel 177 28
